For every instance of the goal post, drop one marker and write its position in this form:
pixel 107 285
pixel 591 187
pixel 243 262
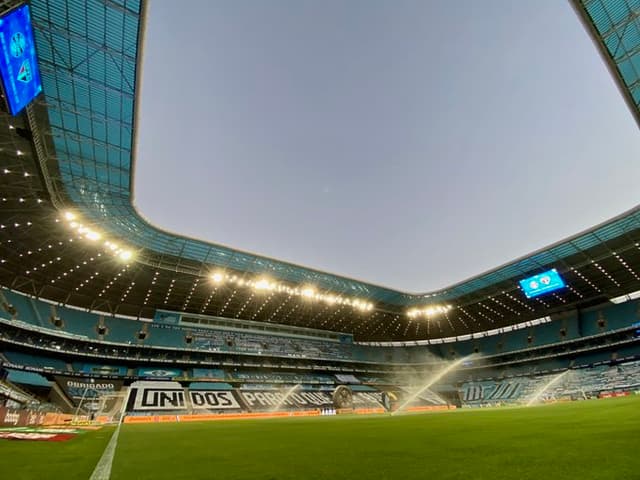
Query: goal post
pixel 111 407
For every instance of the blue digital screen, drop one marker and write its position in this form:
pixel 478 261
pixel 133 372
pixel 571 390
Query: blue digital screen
pixel 545 282
pixel 18 63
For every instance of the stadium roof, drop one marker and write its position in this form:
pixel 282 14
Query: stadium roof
pixel 69 224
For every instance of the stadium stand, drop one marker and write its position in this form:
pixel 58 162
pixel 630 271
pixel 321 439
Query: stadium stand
pixel 176 319
pixel 208 373
pixel 581 383
pixel 11 396
pixel 39 361
pixel 25 378
pixel 125 331
pixel 99 369
pixel 210 386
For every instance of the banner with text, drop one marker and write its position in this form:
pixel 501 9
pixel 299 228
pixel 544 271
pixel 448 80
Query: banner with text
pixel 171 396
pixel 212 400
pixel 77 388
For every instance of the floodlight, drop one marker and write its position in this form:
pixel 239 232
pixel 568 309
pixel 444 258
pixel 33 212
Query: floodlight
pixel 217 277
pixel 308 292
pixel 125 255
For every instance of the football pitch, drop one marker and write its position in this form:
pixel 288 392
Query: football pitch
pixel 596 439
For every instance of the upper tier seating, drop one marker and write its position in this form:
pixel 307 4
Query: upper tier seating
pixel 39 361
pixel 567 328
pixel 20 377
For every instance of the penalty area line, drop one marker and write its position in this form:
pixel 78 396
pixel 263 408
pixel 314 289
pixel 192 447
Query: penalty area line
pixel 103 468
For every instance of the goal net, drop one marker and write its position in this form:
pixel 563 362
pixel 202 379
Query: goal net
pixel 109 407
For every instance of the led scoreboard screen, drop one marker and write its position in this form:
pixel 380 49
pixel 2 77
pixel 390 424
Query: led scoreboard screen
pixel 18 63
pixel 544 282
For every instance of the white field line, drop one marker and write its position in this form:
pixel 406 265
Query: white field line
pixel 103 468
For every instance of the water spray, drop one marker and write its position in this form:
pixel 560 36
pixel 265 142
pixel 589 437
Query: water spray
pixel 433 380
pixel 284 398
pixel 536 396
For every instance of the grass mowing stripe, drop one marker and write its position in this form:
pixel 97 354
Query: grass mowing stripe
pixel 103 468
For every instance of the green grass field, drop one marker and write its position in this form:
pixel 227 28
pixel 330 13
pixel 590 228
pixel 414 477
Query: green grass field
pixel 583 440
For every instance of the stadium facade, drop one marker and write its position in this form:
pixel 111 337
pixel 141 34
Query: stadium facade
pixel 90 289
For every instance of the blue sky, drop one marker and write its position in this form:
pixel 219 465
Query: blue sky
pixel 411 144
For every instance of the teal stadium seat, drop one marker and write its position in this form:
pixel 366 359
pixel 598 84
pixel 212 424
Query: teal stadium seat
pixel 37 361
pixel 33 379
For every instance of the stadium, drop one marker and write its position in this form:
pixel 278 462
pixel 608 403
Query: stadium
pixel 128 351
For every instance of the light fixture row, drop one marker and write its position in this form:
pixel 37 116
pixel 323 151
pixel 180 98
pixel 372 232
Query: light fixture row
pixel 428 311
pixel 309 292
pixel 93 235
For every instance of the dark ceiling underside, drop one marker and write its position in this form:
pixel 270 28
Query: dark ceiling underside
pixel 40 255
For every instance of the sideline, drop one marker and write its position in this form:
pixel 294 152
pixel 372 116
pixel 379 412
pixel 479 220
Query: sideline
pixel 103 468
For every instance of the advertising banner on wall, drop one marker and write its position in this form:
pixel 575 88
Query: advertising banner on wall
pixel 20 418
pixel 208 374
pixel 96 369
pixel 159 372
